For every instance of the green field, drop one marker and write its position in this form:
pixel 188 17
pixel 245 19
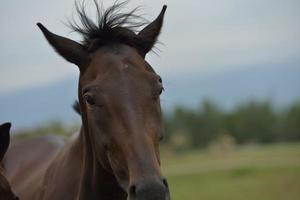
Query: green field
pixel 269 172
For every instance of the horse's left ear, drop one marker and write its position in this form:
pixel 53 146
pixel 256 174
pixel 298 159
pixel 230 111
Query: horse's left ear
pixel 69 49
pixel 4 138
pixel 150 33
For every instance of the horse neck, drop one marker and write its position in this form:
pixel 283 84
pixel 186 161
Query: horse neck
pixel 96 182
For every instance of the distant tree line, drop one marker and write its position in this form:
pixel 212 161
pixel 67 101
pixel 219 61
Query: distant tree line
pixel 186 128
pixel 251 122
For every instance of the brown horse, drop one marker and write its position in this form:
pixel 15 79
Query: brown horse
pixel 5 190
pixel 27 160
pixel 116 154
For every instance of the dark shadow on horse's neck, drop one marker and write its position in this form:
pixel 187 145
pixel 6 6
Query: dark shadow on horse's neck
pixel 96 181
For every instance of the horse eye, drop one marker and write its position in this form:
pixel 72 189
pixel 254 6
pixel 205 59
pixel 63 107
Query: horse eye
pixel 161 90
pixel 159 79
pixel 89 99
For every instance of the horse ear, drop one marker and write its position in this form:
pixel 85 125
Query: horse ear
pixel 151 31
pixel 4 138
pixel 69 49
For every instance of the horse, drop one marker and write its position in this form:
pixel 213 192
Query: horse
pixel 115 155
pixel 27 159
pixel 5 189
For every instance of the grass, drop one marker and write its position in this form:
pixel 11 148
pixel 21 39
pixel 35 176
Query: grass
pixel 269 172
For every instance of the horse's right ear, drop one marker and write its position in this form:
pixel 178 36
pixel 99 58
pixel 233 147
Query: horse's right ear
pixel 69 49
pixel 4 138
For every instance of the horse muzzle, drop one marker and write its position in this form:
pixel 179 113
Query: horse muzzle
pixel 152 188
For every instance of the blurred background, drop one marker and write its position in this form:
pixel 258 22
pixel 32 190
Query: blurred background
pixel 231 72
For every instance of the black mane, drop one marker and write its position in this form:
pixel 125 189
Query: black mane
pixel 111 27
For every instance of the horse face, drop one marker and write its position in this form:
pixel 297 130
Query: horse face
pixel 120 99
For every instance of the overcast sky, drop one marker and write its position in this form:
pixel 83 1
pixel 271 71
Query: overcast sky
pixel 201 36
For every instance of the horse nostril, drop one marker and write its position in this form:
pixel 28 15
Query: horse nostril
pixel 165 182
pixel 132 191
